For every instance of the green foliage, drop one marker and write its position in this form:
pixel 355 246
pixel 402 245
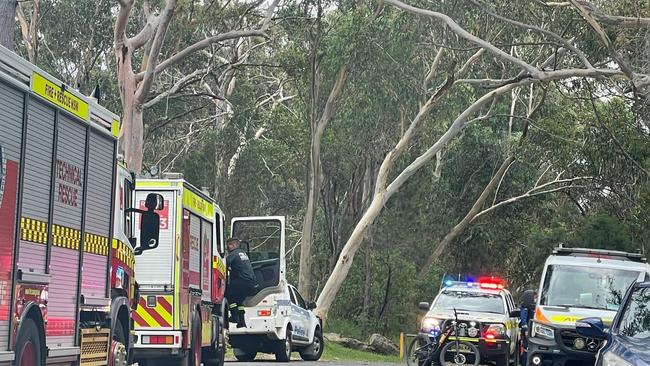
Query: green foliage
pixel 601 231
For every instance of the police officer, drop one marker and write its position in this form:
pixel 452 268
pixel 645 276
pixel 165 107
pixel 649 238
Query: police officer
pixel 241 281
pixel 526 313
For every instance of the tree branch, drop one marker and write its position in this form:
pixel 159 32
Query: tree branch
pixel 535 191
pixel 156 45
pixel 121 21
pixel 554 36
pixel 612 20
pixel 175 88
pixel 465 34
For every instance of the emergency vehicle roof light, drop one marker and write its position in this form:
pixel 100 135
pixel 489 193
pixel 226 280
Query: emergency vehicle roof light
pixel 493 283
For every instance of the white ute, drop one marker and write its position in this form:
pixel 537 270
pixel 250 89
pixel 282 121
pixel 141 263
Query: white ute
pixel 278 319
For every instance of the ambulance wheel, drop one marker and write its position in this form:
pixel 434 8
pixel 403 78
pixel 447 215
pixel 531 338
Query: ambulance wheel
pixel 314 350
pixel 283 348
pixel 28 345
pixel 118 354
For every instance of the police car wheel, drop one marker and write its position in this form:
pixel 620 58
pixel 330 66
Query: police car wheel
pixel 314 351
pixel 283 350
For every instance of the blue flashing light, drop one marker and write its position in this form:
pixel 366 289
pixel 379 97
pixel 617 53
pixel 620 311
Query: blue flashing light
pixel 449 283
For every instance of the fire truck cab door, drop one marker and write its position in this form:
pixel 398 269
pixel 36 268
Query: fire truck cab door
pixel 264 240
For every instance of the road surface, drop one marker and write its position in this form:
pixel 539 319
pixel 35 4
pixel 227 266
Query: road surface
pixel 303 363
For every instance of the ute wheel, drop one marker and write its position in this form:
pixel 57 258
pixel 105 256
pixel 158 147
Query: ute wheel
pixel 314 351
pixel 117 355
pixel 283 348
pixel 28 345
pixel 244 357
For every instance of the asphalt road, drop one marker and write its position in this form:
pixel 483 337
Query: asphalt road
pixel 303 363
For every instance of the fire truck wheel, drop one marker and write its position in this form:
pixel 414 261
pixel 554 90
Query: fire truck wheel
pixel 283 348
pixel 118 355
pixel 193 356
pixel 28 345
pixel 216 354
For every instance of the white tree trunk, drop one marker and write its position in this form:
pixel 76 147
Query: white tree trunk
pixel 313 184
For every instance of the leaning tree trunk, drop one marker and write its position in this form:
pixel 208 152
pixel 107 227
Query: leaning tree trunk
pixel 469 217
pixel 7 23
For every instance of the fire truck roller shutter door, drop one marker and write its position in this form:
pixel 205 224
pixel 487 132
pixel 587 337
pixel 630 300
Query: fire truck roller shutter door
pixel 97 216
pixel 11 122
pixel 195 254
pixel 36 187
pixel 66 232
pixel 206 260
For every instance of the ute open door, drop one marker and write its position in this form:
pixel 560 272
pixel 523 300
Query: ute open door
pixel 264 240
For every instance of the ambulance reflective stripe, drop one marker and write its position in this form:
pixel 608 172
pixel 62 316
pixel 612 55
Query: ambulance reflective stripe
pixel 159 316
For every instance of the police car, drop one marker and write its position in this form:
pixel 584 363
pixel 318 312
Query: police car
pixel 487 317
pixel 278 320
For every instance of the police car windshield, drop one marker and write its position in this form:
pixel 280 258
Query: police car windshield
pixel 585 287
pixel 469 301
pixel 635 320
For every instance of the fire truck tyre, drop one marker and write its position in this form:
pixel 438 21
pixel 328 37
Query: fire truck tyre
pixel 465 354
pixel 193 355
pixel 283 348
pixel 118 355
pixel 314 350
pixel 215 354
pixel 28 345
pixel 244 357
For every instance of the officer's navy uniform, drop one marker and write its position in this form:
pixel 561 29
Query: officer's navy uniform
pixel 241 284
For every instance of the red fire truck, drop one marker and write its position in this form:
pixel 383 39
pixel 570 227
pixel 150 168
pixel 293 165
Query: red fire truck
pixel 67 285
pixel 181 308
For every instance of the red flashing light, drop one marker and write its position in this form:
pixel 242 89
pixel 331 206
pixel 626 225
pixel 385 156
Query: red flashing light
pixel 490 336
pixel 493 283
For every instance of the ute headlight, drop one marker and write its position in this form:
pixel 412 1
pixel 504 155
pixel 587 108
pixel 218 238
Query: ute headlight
pixel 430 325
pixel 610 359
pixel 542 331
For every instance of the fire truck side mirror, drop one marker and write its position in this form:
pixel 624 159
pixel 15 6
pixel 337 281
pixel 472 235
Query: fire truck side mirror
pixel 149 231
pixel 150 223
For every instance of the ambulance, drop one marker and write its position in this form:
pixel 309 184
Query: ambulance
pixel 578 283
pixel 181 308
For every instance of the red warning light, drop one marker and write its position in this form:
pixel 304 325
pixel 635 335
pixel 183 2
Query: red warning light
pixel 493 283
